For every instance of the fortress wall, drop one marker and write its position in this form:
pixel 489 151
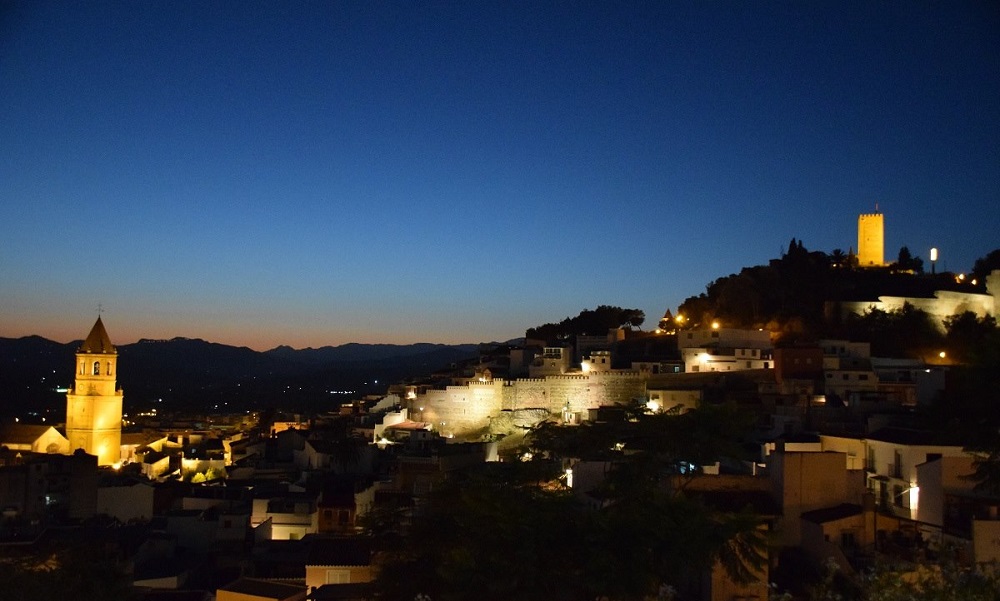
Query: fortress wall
pixel 944 305
pixel 462 410
pixel 459 409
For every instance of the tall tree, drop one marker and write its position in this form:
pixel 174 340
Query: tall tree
pixel 984 265
pixel 907 262
pixel 838 258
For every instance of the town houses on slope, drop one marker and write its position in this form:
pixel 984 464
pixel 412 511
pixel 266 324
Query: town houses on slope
pixel 568 385
pixel 838 468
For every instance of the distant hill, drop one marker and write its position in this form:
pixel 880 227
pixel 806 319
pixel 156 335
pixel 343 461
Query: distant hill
pixel 194 374
pixel 353 352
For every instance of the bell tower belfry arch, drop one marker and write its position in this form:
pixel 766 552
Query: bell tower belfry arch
pixel 94 404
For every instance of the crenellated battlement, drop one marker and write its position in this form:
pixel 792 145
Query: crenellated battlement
pixel 617 374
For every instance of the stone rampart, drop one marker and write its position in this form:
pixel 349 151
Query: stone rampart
pixel 465 410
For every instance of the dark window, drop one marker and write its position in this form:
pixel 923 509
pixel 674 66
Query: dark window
pixel 847 540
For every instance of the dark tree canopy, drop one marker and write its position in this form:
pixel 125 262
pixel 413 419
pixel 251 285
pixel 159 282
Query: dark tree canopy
pixel 589 322
pixel 502 531
pixel 906 332
pixel 793 287
pixel 907 262
pixel 984 265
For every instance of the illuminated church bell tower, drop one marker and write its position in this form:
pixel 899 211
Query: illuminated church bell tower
pixel 94 405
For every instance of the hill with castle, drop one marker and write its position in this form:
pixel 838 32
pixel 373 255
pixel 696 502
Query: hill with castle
pixel 795 401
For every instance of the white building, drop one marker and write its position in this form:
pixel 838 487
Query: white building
pixel 725 338
pixel 703 359
pixel 891 459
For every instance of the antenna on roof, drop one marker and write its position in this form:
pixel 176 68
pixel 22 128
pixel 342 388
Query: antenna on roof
pixel 876 206
pixel 100 309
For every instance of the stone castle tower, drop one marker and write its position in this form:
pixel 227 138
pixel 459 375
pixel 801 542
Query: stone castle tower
pixel 871 240
pixel 94 405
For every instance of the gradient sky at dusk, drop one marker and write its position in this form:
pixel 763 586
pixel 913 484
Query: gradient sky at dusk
pixel 313 173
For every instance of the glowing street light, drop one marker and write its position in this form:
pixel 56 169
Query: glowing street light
pixel 934 257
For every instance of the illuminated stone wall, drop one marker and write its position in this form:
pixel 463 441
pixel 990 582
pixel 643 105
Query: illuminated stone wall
pixel 464 410
pixel 944 305
pixel 459 410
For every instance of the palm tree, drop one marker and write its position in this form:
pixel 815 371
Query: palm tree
pixel 837 258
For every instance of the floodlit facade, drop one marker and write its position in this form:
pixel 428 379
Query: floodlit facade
pixel 702 359
pixel 94 404
pixel 871 240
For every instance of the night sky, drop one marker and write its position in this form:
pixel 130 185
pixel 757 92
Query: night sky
pixel 313 173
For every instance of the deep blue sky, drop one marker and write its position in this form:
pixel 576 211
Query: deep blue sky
pixel 324 172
